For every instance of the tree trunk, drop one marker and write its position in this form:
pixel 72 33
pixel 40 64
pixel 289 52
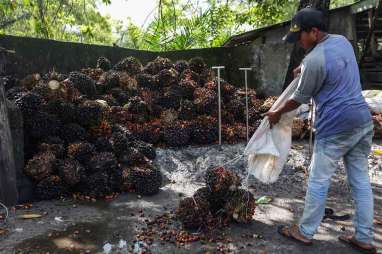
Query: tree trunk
pixel 298 53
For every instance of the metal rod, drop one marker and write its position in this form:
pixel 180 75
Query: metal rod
pixel 219 103
pixel 246 97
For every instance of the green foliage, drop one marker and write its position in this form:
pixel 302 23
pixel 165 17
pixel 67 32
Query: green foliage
pixel 182 24
pixel 68 20
pixel 177 24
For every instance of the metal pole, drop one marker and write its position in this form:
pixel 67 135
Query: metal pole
pixel 246 97
pixel 219 103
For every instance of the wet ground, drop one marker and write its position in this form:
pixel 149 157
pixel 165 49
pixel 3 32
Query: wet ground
pixel 71 226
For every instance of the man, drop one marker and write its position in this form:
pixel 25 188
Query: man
pixel 344 129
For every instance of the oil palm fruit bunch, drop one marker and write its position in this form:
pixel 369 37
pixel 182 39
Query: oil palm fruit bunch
pixel 71 171
pixel 81 151
pixel 220 181
pixel 144 179
pixel 130 64
pixel 51 187
pixel 145 80
pixel 103 63
pixel 240 205
pixel 104 161
pixel 89 114
pixel 204 130
pixel 73 132
pixel 159 63
pixel 40 166
pixel 83 83
pixel 181 65
pixel 177 134
pixel 193 212
pixel 187 110
pixel 197 64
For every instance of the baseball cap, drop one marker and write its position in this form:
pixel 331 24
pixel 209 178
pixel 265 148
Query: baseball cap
pixel 304 19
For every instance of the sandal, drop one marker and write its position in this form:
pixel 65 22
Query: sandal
pixel 294 234
pixel 352 242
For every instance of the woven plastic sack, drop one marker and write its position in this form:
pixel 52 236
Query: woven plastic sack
pixel 268 149
pixel 373 99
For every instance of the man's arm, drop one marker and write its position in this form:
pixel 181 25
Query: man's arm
pixel 311 80
pixel 274 116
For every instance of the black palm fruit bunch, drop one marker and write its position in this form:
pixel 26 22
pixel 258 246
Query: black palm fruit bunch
pixel 149 81
pixel 83 83
pixel 103 63
pixel 110 100
pixel 102 144
pixel 177 134
pixel 159 63
pixel 111 81
pixel 187 88
pixel 144 148
pixel 188 74
pixel 205 76
pixel 237 108
pixel 104 161
pixel 40 166
pixel 144 179
pixel 138 108
pixel 181 65
pixel 149 132
pixel 187 110
pixel 15 93
pixel 73 132
pixel 42 125
pixel 193 212
pixel 66 111
pixel 51 187
pixel 81 151
pixel 204 130
pixel 226 89
pixel 132 156
pixel 93 73
pixel 120 95
pixel 220 181
pixel 254 116
pixel 206 101
pixel 58 150
pixel 168 116
pixel 240 206
pixel 215 203
pixel 50 90
pixel 168 77
pixel 71 171
pixel 96 185
pixel 197 64
pixel 119 142
pixel 53 75
pixel 267 104
pixel 130 64
pixel 89 114
pixel 29 103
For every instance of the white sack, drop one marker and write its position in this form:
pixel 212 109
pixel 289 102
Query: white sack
pixel 373 99
pixel 268 148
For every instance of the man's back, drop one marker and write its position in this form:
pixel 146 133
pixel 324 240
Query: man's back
pixel 340 105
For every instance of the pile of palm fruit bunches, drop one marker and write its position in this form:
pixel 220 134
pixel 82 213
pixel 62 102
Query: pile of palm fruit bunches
pixel 218 203
pixel 93 132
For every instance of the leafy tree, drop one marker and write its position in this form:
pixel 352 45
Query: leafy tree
pixel 70 20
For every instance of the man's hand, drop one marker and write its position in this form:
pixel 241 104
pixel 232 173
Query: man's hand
pixel 273 116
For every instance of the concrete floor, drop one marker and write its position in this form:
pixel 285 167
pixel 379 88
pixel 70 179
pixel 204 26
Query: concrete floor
pixel 71 226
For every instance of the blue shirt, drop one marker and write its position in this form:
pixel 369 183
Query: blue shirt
pixel 330 74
